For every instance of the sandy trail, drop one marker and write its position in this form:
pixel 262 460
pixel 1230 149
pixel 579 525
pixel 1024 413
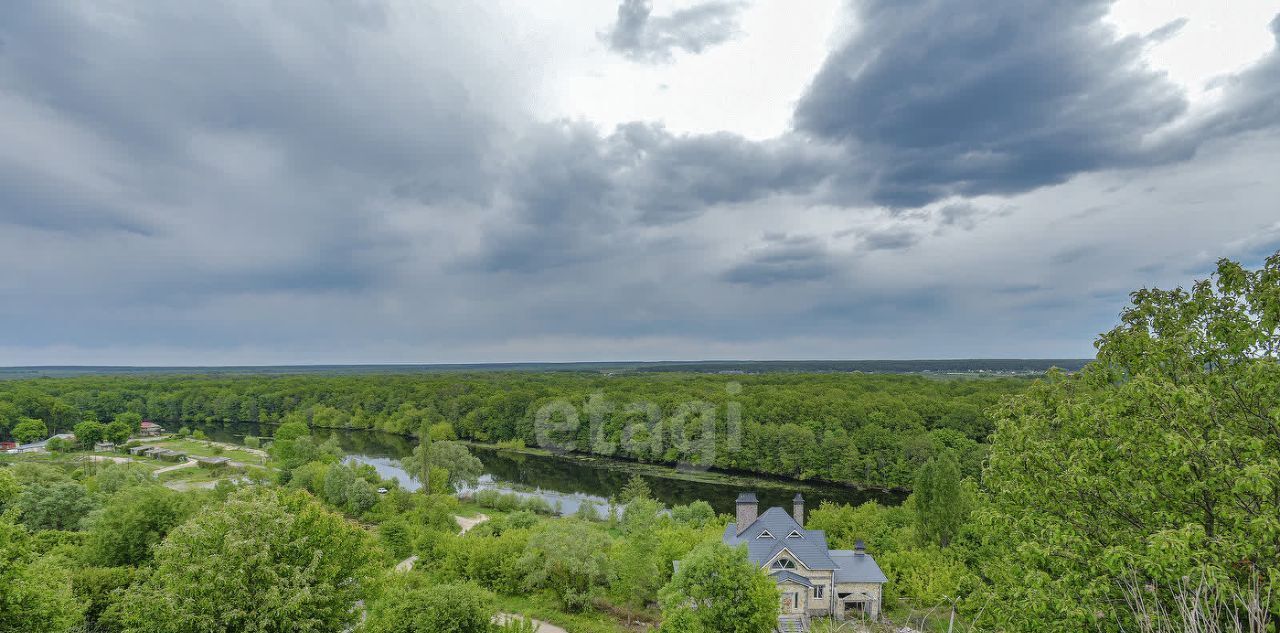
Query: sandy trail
pixel 465 523
pixel 543 627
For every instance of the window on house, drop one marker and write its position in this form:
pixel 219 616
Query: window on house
pixel 784 563
pixel 765 534
pixel 817 590
pixel 795 534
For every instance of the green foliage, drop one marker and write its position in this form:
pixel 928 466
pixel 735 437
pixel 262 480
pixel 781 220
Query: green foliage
pixel 265 560
pixel 718 590
pixel 588 511
pixel 1162 460
pixel 940 504
pixel 35 593
pixel 881 528
pixel 59 445
pixel 454 457
pixel 199 435
pixel 251 441
pixel 95 588
pixel 570 558
pixel 926 575
pixel 133 521
pixel 512 502
pixel 490 557
pixel 89 432
pixel 131 419
pixel 29 430
pixel 59 505
pixel 697 514
pixel 112 478
pixel 117 432
pixel 405 608
pixel 442 431
pixel 9 488
pixel 636 488
pixel 873 429
pixel 637 565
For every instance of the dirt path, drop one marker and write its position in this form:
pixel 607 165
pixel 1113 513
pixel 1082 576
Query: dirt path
pixel 187 464
pixel 465 523
pixel 108 458
pixel 543 627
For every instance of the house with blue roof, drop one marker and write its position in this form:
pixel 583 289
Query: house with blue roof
pixel 812 579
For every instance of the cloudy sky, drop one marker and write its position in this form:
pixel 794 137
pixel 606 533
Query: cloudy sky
pixel 337 181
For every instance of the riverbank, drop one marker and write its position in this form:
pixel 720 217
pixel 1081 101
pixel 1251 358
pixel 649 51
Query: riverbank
pixel 691 473
pixel 573 477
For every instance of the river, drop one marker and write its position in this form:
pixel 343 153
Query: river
pixel 568 481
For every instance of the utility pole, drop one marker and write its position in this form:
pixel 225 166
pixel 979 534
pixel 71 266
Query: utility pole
pixel 952 622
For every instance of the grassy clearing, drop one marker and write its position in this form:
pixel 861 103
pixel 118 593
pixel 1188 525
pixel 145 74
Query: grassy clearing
pixel 198 448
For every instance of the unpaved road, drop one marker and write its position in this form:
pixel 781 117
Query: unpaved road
pixel 465 523
pixel 543 627
pixel 187 464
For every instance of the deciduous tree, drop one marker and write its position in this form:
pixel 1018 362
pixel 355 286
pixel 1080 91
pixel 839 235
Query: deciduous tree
pixel 1162 459
pixel 718 590
pixel 265 560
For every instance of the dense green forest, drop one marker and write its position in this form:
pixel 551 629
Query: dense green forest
pixel 857 428
pixel 1140 494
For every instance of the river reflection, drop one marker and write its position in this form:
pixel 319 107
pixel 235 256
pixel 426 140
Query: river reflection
pixel 566 482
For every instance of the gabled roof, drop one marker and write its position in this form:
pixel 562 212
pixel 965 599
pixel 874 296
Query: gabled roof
pixel 780 577
pixel 854 567
pixel 810 551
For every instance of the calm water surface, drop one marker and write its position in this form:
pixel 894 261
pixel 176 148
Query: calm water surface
pixel 568 481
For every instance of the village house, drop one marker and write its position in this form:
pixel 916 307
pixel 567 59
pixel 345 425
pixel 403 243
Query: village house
pixel 149 429
pixel 812 579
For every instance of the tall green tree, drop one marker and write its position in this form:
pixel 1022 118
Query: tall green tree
pixel 265 560
pixel 454 457
pixel 940 503
pixel 117 432
pixel 35 593
pixel 1159 461
pixel 29 430
pixel 571 559
pixel 636 558
pixel 718 590
pixel 133 521
pixel 89 432
pixel 55 505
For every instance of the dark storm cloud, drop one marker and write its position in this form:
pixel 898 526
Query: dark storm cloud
pixel 350 180
pixel 268 133
pixel 784 260
pixel 577 196
pixel 890 239
pixel 1000 97
pixel 640 36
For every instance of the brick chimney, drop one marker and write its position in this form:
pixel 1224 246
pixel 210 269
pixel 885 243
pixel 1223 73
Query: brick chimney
pixel 748 510
pixel 797 509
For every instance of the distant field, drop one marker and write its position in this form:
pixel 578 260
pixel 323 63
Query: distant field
pixel 943 366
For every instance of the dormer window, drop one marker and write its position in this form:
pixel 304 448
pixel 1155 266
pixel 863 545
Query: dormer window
pixel 765 534
pixel 784 563
pixel 795 534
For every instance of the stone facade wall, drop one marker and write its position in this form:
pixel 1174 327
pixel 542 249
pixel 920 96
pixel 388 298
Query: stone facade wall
pixel 869 588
